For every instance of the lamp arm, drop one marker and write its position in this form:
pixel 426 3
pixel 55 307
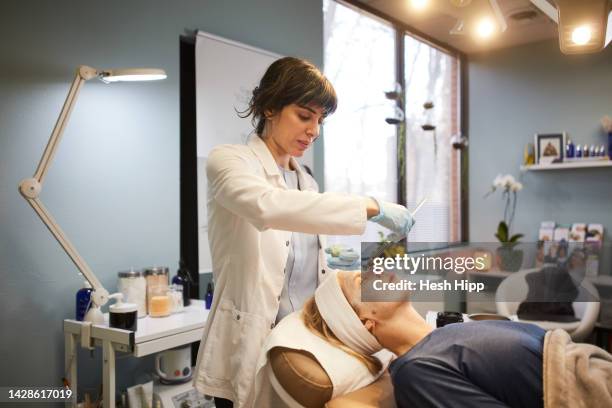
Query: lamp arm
pixel 60 236
pixel 30 188
pixel 83 74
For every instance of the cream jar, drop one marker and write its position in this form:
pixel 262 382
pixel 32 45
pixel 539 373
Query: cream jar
pixel 133 285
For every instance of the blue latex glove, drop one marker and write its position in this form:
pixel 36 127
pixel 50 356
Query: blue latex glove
pixel 395 217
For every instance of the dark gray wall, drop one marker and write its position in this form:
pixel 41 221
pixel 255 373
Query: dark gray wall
pixel 114 186
pixel 516 93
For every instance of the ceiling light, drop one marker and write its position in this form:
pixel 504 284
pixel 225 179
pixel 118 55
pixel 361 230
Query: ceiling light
pixel 419 4
pixel 582 25
pixel 485 28
pixel 581 35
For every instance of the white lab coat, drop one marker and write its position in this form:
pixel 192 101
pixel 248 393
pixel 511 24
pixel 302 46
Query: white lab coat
pixel 251 214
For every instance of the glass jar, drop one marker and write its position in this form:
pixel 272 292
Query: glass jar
pixel 133 285
pixel 157 275
pixel 159 302
pixel 176 297
pixel 157 278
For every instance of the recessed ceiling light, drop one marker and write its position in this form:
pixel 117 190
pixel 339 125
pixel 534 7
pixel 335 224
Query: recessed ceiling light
pixel 581 35
pixel 485 28
pixel 419 4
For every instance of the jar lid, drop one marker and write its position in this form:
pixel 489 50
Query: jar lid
pixel 130 274
pixel 121 307
pixel 156 270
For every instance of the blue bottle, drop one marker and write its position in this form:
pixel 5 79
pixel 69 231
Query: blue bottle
pixel 209 296
pixel 578 152
pixel 570 149
pixel 83 300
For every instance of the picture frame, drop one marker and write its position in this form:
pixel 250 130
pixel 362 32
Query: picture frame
pixel 550 147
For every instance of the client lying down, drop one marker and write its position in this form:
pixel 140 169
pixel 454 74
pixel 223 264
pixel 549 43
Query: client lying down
pixel 476 364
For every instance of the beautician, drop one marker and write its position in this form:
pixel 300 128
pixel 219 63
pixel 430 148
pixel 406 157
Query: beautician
pixel 265 215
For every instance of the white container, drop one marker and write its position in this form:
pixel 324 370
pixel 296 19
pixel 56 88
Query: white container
pixel 176 296
pixel 133 285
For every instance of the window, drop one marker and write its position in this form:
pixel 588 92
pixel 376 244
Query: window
pixel 431 76
pixel 360 147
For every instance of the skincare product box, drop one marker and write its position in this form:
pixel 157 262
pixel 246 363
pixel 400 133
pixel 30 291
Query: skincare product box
pixel 594 233
pixel 578 232
pixel 561 234
pixel 545 234
pixel 547 229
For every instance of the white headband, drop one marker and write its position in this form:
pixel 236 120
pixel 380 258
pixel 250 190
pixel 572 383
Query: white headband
pixel 342 319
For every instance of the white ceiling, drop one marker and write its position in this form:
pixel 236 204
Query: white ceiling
pixel 441 16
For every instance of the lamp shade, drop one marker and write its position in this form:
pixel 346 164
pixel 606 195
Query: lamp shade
pixel 133 74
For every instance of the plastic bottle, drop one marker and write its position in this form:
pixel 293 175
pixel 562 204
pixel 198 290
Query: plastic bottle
pixel 83 300
pixel 209 295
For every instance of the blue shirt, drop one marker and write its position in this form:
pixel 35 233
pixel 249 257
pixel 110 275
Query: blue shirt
pixel 301 271
pixel 474 364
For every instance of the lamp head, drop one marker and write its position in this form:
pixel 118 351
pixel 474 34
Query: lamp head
pixel 132 74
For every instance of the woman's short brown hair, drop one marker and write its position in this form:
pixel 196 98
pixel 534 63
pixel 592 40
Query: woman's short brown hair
pixel 289 80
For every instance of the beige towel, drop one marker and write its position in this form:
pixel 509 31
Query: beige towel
pixel 575 375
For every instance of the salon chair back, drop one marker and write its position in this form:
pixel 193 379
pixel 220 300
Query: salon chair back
pixel 515 287
pixel 306 383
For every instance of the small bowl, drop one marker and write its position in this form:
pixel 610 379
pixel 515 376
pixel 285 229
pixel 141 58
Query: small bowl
pixel 486 316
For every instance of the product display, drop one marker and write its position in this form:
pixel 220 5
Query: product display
pixel 133 285
pixel 575 152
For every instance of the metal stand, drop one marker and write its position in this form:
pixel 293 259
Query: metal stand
pixel 153 335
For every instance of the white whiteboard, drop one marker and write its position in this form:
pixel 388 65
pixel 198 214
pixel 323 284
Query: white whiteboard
pixel 226 73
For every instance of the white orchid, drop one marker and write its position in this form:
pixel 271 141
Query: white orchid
pixel 517 186
pixel 509 188
pixel 506 183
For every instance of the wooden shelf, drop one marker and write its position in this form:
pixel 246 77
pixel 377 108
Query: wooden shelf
pixel 574 164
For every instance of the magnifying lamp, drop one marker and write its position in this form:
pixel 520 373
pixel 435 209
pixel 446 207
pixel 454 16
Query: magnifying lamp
pixel 30 188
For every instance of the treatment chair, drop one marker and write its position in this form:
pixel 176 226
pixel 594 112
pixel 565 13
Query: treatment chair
pixel 303 380
pixel 515 287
